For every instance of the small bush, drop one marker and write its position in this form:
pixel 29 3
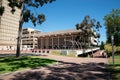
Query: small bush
pixel 108 49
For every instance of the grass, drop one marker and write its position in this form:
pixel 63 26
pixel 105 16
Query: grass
pixel 115 69
pixel 58 53
pixel 10 64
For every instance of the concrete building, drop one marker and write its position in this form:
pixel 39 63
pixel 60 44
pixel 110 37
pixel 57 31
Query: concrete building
pixel 30 38
pixel 9 24
pixel 65 42
pixel 65 39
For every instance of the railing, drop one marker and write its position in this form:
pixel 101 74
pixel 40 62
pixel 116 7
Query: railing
pixel 86 50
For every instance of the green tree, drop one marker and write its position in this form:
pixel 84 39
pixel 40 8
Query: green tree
pixel 1 10
pixel 89 29
pixel 26 14
pixel 102 45
pixel 112 23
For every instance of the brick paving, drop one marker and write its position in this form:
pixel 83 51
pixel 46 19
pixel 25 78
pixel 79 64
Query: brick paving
pixel 67 68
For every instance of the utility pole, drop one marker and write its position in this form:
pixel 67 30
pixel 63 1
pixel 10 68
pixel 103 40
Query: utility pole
pixel 112 40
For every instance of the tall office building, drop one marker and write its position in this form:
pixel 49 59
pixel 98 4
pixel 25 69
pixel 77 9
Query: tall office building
pixel 9 24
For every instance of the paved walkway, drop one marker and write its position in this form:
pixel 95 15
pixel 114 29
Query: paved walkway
pixel 67 68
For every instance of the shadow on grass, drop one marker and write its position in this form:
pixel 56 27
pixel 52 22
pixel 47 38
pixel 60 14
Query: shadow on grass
pixel 114 71
pixel 12 64
pixel 67 71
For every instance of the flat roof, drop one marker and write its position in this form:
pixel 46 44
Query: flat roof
pixel 59 32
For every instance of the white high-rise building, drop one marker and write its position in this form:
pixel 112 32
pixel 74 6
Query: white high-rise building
pixel 9 24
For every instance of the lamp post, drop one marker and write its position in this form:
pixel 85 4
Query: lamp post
pixel 112 40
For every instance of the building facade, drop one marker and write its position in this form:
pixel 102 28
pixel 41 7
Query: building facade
pixel 65 39
pixel 57 40
pixel 9 24
pixel 29 38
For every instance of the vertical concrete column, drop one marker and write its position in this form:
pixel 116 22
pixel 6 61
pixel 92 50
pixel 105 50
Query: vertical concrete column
pixel 72 41
pixel 47 41
pixel 72 37
pixel 41 44
pixel 52 42
pixel 58 41
pixel 65 41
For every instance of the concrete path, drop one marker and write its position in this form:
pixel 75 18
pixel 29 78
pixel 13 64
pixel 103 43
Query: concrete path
pixel 67 68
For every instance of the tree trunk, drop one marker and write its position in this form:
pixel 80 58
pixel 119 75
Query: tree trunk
pixel 19 33
pixel 19 39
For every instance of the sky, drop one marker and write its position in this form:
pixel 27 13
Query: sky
pixel 65 14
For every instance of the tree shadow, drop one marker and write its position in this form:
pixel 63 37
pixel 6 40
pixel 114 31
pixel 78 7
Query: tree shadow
pixel 114 71
pixel 13 64
pixel 67 71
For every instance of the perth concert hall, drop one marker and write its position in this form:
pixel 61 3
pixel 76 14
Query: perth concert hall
pixel 64 39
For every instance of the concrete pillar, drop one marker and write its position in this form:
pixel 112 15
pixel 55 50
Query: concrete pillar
pixel 72 37
pixel 65 41
pixel 41 44
pixel 52 42
pixel 58 41
pixel 47 42
pixel 72 41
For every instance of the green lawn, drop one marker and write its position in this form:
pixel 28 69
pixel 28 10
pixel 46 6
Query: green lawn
pixel 9 64
pixel 115 69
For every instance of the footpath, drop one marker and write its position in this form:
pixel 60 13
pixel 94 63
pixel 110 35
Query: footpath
pixel 66 68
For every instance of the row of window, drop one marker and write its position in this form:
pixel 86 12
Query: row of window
pixel 9 32
pixel 10 21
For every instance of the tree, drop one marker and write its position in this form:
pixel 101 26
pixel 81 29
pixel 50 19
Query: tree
pixel 26 14
pixel 1 10
pixel 102 45
pixel 112 23
pixel 89 28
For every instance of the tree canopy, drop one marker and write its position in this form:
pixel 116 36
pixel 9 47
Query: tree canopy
pixel 27 14
pixel 102 45
pixel 112 23
pixel 89 29
pixel 1 10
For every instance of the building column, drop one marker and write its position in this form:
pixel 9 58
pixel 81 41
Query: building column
pixel 72 37
pixel 47 42
pixel 41 43
pixel 58 41
pixel 72 41
pixel 65 41
pixel 52 42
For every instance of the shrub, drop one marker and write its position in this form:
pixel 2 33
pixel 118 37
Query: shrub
pixel 108 49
